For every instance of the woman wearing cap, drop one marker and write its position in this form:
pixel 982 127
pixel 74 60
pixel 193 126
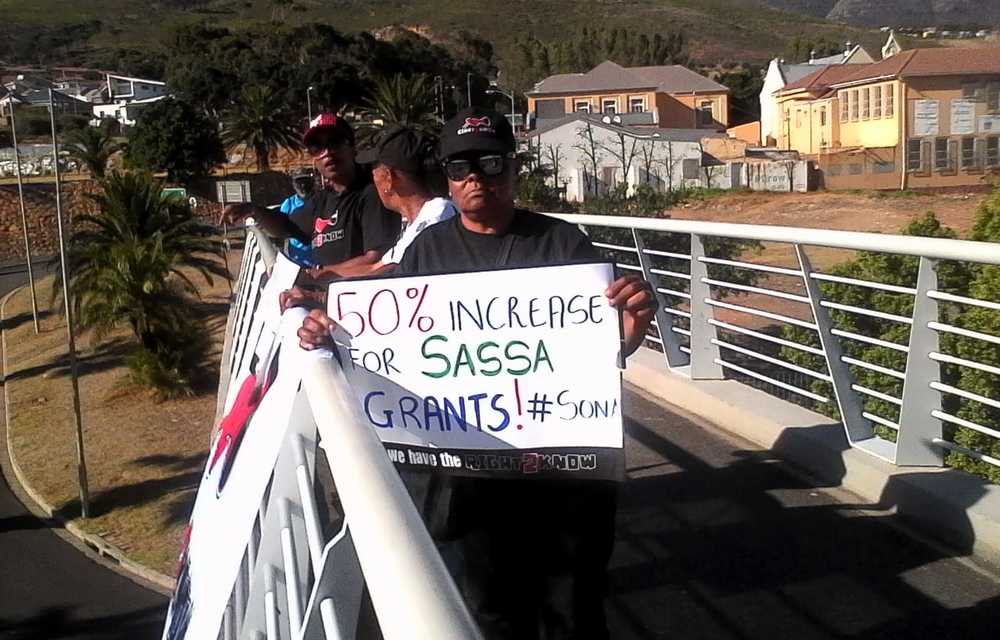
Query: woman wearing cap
pixel 534 553
pixel 403 170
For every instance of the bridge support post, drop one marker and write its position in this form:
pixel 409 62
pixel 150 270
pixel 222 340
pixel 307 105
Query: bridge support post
pixel 664 323
pixel 704 353
pixel 917 427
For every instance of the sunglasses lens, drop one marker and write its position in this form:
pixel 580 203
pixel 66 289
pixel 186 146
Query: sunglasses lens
pixel 491 165
pixel 458 169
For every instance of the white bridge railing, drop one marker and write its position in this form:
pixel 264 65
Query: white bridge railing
pixel 295 583
pixel 708 327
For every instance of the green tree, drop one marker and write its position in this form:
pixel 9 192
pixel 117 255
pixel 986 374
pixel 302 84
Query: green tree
pixel 261 122
pixel 126 264
pixel 403 100
pixel 92 147
pixel 173 137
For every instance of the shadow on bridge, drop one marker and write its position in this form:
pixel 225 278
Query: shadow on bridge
pixel 715 542
pixel 64 623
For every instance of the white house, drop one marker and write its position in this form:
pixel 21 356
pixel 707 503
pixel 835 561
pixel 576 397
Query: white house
pixel 663 158
pixel 126 113
pixel 128 89
pixel 779 73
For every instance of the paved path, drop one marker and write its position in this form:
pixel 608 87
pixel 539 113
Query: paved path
pixel 50 590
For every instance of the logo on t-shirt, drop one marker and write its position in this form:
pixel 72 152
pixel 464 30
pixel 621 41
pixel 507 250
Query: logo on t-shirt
pixel 320 234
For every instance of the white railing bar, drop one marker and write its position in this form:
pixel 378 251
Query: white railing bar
pixel 764 336
pixel 769 380
pixel 270 605
pixel 962 362
pixel 676 294
pixel 767 292
pixel 654 339
pixel 875 341
pixel 753 266
pixel 962 422
pixel 776 361
pixel 314 535
pixel 253 546
pixel 939 248
pixel 382 516
pixel 873 367
pixel 681 330
pixel 969 452
pixel 630 267
pixel 668 254
pixel 671 274
pixel 877 394
pixel 816 275
pixel 291 568
pixel 947 328
pixel 976 302
pixel 962 393
pixel 227 623
pixel 328 616
pixel 763 314
pixel 676 312
pixel 240 597
pixel 880 420
pixel 614 247
pixel 866 312
pixel 684 349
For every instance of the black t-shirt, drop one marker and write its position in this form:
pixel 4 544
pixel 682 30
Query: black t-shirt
pixel 340 226
pixel 532 240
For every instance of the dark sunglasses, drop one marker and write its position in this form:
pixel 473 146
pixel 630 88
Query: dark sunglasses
pixel 317 147
pixel 460 168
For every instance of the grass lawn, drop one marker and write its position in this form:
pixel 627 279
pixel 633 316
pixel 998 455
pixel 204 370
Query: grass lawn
pixel 144 458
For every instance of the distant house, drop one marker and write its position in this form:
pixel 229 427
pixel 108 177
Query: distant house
pixel 670 96
pixel 779 74
pixel 922 118
pixel 126 98
pixel 40 98
pixel 892 46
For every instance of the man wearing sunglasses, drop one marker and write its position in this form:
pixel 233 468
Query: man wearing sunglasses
pixel 344 223
pixel 533 553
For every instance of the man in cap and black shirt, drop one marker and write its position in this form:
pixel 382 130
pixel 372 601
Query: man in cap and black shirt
pixel 533 553
pixel 343 222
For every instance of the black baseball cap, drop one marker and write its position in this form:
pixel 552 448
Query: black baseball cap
pixel 398 147
pixel 477 129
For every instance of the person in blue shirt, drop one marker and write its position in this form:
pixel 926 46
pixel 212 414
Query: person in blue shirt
pixel 304 184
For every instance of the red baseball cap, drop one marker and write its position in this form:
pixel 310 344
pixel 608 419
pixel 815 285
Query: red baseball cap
pixel 330 122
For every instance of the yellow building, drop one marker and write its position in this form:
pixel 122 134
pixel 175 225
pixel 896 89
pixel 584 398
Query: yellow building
pixel 670 96
pixel 925 118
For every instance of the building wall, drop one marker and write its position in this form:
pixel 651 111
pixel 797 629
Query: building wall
pixel 880 127
pixel 807 126
pixel 670 111
pixel 595 100
pixel 877 168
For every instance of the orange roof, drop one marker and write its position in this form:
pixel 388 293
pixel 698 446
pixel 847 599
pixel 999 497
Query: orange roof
pixel 929 62
pixel 825 77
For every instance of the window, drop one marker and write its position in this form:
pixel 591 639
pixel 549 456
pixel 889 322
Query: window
pixel 689 168
pixel 884 167
pixel 637 104
pixel 834 170
pixel 941 160
pixel 705 114
pixel 993 151
pixel 865 104
pixel 798 118
pixel 876 102
pixel 854 105
pixel 855 169
pixel 845 105
pixel 914 159
pixel 974 91
pixel 993 97
pixel 888 111
pixel 581 106
pixel 822 116
pixel 609 105
pixel 969 153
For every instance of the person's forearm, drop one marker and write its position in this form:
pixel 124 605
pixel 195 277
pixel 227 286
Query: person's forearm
pixel 276 225
pixel 363 265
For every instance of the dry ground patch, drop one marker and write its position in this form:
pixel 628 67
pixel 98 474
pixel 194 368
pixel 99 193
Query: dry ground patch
pixel 144 458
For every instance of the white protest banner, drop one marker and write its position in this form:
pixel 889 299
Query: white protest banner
pixel 500 373
pixel 239 467
pixel 963 117
pixel 925 118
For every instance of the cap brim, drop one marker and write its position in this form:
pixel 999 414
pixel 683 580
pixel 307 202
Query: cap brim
pixel 459 145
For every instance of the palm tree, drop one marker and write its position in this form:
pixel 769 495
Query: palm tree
pixel 262 122
pixel 125 261
pixel 402 100
pixel 92 147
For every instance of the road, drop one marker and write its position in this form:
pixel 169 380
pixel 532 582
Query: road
pixel 49 589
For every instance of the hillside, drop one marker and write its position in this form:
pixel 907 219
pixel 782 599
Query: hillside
pixel 716 30
pixel 910 13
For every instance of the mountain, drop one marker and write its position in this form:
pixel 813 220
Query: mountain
pixel 909 13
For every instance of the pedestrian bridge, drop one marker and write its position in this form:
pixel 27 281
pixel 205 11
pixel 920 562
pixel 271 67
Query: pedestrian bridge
pixel 734 521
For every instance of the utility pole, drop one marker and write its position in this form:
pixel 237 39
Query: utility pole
pixel 24 219
pixel 81 462
pixel 468 88
pixel 309 109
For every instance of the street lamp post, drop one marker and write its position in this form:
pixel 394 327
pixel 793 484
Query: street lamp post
pixel 24 218
pixel 496 91
pixel 309 109
pixel 81 463
pixel 468 88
